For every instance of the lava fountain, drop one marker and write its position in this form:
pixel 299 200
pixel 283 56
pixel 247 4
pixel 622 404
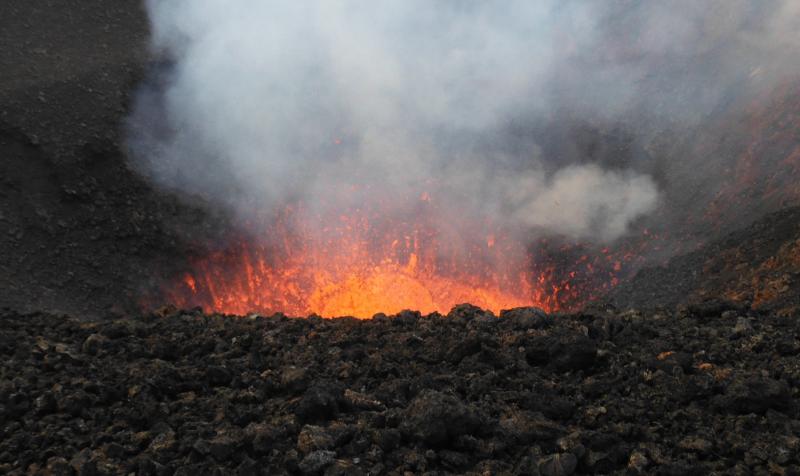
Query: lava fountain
pixel 359 263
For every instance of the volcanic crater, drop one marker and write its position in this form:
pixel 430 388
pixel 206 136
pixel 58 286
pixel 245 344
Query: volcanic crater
pixel 147 330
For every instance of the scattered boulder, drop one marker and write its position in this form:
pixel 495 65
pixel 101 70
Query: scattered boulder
pixel 321 402
pixel 94 343
pixel 218 375
pixel 696 444
pixel 558 465
pixel 564 353
pixel 437 419
pixel 524 318
pixel 313 438
pixel 742 327
pixel 316 461
pixel 756 394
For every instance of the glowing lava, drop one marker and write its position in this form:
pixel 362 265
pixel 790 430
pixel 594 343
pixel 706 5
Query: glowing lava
pixel 360 264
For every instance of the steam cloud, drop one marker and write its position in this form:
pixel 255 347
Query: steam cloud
pixel 266 101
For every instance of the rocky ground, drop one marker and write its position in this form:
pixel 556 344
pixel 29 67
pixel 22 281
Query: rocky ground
pixel 758 265
pixel 710 389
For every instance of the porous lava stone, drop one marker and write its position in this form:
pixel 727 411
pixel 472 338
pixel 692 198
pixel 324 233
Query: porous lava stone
pixel 603 391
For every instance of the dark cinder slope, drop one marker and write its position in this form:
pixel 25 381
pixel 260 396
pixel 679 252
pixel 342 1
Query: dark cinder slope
pixel 759 265
pixel 79 232
pixel 68 68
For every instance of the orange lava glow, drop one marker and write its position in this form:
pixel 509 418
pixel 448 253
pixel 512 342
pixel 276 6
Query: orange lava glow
pixel 359 265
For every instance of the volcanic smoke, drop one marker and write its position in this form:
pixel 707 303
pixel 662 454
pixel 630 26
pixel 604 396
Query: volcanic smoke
pixel 365 150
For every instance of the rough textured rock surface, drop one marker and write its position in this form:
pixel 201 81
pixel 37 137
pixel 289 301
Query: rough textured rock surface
pixel 601 392
pixel 80 232
pixel 758 265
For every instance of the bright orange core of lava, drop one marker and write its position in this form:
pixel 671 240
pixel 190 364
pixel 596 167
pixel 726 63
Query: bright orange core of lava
pixel 359 265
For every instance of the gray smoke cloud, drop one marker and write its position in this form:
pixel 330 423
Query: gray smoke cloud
pixel 267 101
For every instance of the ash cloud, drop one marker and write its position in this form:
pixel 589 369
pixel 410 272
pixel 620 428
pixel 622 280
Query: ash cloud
pixel 261 102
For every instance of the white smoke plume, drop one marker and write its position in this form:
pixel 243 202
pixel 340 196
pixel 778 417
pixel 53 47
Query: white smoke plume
pixel 266 101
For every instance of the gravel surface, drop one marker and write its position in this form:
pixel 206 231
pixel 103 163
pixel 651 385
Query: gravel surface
pixel 710 389
pixel 759 265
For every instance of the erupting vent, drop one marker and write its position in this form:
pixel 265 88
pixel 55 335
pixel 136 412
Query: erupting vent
pixel 496 163
pixel 364 263
pixel 361 264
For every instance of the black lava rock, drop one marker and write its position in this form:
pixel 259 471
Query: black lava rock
pixel 756 395
pixel 437 418
pixel 522 394
pixel 321 402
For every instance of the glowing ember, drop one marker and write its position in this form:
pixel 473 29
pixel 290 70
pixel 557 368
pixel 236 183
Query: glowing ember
pixel 360 265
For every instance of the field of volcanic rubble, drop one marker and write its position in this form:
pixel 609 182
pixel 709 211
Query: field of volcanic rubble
pixel 711 388
pixel 692 369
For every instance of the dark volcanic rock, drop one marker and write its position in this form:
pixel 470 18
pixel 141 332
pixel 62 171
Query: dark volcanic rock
pixel 218 375
pixel 316 461
pixel 320 402
pixel 754 267
pixel 436 418
pixel 80 230
pixel 614 393
pixel 558 465
pixel 527 318
pixel 565 353
pixel 756 395
pixel 573 353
